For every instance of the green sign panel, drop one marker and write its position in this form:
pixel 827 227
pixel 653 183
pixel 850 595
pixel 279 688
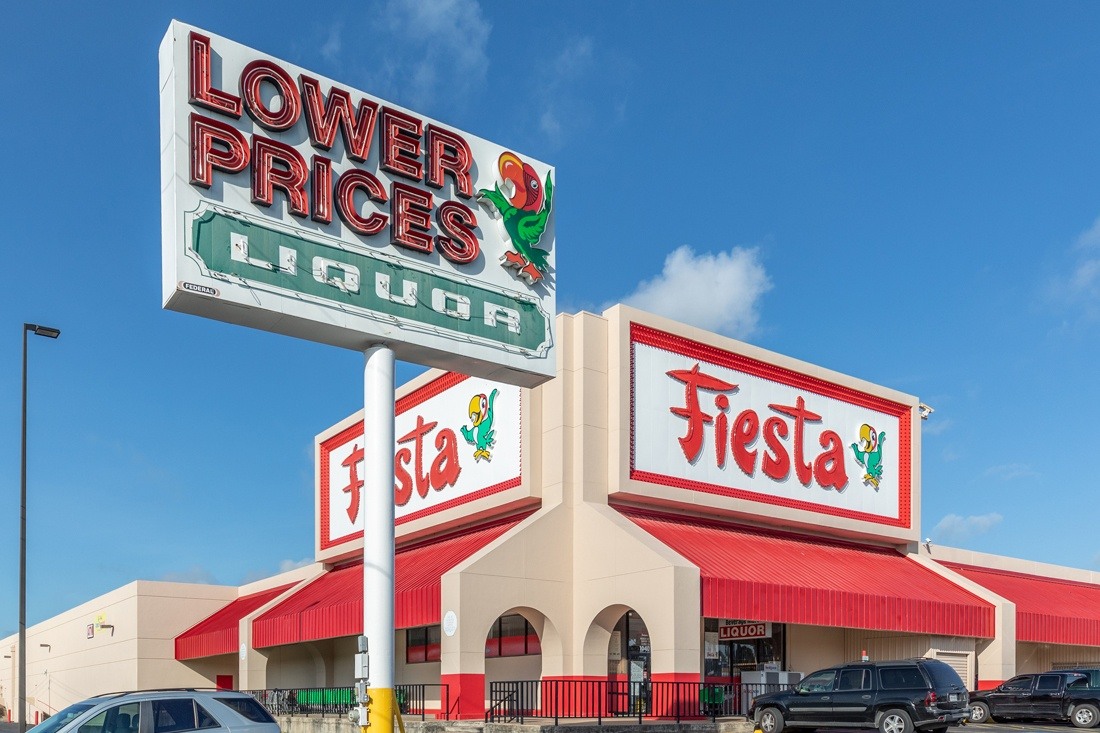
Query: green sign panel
pixel 367 284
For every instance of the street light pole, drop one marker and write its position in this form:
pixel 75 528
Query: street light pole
pixel 52 333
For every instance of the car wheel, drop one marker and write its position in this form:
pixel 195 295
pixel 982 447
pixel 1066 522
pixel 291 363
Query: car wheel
pixel 1085 716
pixel 771 721
pixel 895 721
pixel 979 713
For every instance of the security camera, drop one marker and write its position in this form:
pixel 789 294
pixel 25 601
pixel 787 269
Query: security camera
pixel 924 410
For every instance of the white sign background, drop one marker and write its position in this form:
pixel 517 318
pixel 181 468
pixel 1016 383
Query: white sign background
pixel 656 432
pixel 450 409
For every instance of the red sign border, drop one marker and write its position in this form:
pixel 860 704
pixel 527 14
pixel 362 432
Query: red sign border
pixel 433 388
pixel 649 336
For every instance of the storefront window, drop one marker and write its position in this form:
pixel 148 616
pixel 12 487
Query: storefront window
pixel 512 636
pixel 422 644
pixel 725 658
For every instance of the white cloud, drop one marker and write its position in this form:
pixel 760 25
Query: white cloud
pixel 1010 471
pixel 288 565
pixel 434 49
pixel 1085 278
pixel 1078 287
pixel 719 292
pixel 563 73
pixel 193 574
pixel 330 49
pixel 551 127
pixel 936 426
pixel 954 528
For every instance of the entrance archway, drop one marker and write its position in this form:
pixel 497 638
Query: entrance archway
pixel 629 665
pixel 516 646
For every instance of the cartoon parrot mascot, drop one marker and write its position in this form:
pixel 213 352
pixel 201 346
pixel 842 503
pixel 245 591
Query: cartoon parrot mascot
pixel 481 415
pixel 523 206
pixel 869 454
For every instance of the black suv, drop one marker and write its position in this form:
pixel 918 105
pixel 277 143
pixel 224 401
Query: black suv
pixel 895 697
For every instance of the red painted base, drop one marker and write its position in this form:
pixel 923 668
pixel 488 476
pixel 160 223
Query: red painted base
pixel 467 693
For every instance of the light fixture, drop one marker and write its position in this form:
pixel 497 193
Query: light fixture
pixel 51 333
pixel 925 410
pixel 48 331
pixel 108 626
pixel 47 647
pixel 928 544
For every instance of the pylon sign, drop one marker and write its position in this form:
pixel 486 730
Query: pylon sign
pixel 298 205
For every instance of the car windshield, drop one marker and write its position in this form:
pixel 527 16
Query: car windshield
pixel 55 722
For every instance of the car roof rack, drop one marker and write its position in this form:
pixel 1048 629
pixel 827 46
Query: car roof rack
pixel 158 689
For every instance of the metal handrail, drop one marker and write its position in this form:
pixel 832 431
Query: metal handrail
pixel 411 700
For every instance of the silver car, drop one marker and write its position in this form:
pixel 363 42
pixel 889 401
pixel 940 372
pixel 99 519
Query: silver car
pixel 163 711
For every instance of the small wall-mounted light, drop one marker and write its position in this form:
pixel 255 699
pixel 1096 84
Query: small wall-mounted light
pixel 925 411
pixel 928 544
pixel 108 626
pixel 47 647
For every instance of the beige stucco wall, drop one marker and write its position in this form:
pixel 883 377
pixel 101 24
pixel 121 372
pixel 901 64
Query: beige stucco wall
pixel 64 665
pixel 812 647
pixel 1032 657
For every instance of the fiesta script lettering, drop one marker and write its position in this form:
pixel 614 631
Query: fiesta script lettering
pixel 739 436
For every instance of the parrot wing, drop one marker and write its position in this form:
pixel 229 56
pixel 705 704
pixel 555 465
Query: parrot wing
pixel 496 198
pixel 467 434
pixel 531 227
pixel 488 439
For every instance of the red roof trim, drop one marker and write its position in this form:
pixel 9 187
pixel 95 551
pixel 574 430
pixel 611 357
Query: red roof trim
pixel 773 576
pixel 332 605
pixel 1048 610
pixel 219 632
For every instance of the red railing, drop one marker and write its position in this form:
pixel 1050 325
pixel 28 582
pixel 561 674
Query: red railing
pixel 602 699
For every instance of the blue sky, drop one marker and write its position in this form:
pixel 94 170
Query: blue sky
pixel 905 192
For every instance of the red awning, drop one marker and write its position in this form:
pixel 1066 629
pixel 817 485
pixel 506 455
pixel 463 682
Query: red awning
pixel 332 605
pixel 218 633
pixel 1048 610
pixel 769 576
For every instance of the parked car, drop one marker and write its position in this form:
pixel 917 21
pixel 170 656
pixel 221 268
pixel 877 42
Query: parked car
pixel 162 711
pixel 894 697
pixel 1092 673
pixel 1058 695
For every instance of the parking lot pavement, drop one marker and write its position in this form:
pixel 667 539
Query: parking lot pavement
pixel 1043 726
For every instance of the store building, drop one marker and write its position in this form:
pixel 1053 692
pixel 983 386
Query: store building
pixel 674 505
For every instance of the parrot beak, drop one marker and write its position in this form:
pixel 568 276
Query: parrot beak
pixel 511 175
pixel 520 183
pixel 867 438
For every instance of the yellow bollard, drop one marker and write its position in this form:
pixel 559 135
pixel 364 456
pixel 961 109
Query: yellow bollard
pixel 380 719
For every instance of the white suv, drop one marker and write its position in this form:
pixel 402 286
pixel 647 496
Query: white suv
pixel 163 711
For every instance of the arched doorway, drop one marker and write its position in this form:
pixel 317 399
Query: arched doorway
pixel 629 665
pixel 513 649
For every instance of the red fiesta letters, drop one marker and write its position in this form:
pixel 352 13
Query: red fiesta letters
pixel 740 437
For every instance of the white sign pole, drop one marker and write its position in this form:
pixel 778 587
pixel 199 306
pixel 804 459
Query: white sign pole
pixel 378 533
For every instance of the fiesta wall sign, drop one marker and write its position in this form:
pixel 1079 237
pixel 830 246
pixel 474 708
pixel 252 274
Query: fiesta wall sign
pixel 458 439
pixel 713 421
pixel 301 206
